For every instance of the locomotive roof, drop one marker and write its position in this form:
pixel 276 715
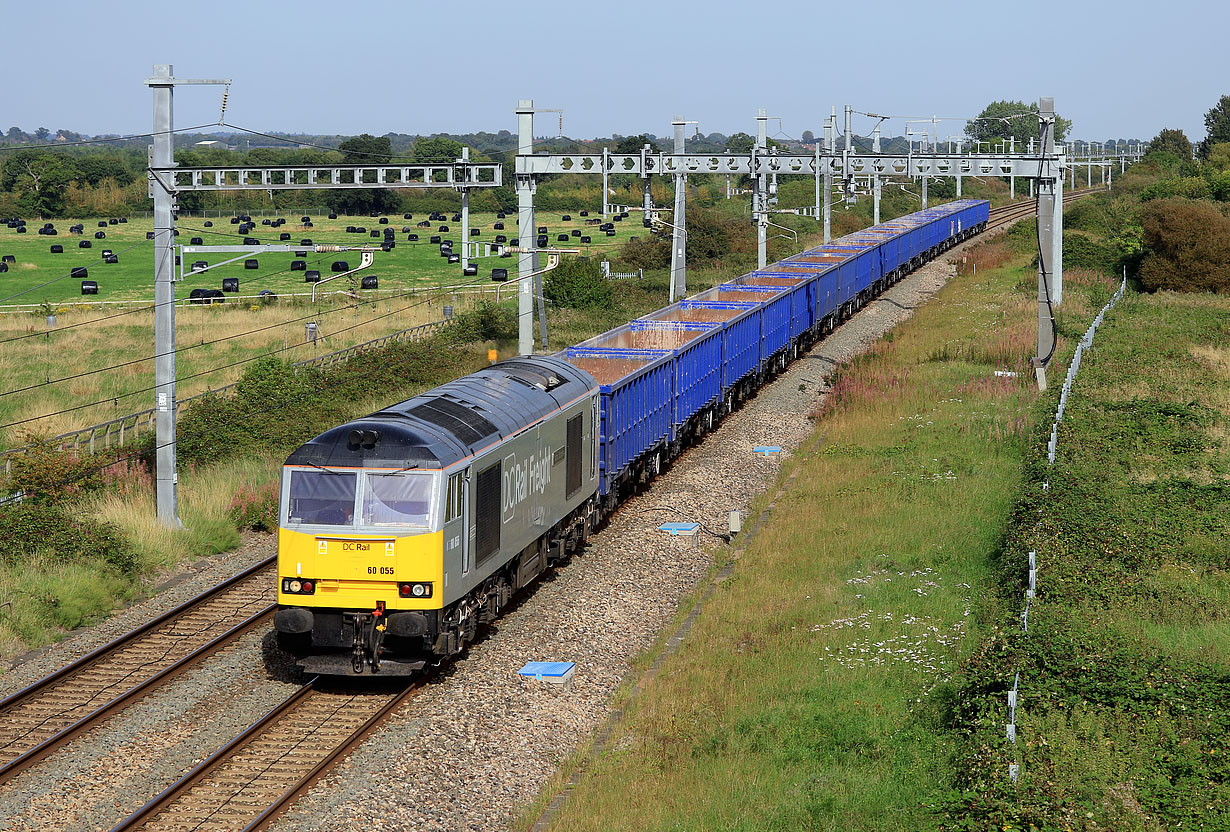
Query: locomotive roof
pixel 452 421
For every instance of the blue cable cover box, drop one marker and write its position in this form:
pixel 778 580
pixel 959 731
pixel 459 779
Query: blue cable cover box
pixel 555 672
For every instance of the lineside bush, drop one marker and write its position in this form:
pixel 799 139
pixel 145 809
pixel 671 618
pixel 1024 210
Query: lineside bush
pixel 577 283
pixel 51 531
pixel 1188 246
pixel 255 507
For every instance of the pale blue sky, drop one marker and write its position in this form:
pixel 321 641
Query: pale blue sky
pixel 1118 69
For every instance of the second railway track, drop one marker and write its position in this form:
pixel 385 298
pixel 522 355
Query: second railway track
pixel 246 783
pixel 1010 213
pixel 38 719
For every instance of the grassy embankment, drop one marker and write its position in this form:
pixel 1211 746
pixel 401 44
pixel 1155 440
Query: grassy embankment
pixel 818 688
pixel 1125 705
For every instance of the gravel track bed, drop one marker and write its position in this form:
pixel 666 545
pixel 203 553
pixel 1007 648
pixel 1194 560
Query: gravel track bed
pixel 477 743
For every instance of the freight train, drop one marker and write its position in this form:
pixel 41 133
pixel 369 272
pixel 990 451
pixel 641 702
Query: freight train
pixel 403 531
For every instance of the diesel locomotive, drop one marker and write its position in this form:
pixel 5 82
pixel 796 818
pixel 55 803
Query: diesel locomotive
pixel 405 530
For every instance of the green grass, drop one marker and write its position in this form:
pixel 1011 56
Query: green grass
pixel 81 343
pixel 816 688
pixel 408 266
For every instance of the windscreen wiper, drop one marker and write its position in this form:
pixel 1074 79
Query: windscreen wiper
pixel 323 468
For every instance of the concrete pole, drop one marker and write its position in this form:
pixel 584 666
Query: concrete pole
pixel 875 179
pixel 647 196
pixel 526 231
pixel 606 181
pixel 1012 179
pixel 847 180
pixel 465 216
pixel 1057 244
pixel 679 238
pixel 819 182
pixel 830 127
pixel 960 147
pixel 1047 197
pixel 924 192
pixel 163 156
pixel 760 198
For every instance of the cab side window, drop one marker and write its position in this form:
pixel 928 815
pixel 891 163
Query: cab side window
pixel 456 494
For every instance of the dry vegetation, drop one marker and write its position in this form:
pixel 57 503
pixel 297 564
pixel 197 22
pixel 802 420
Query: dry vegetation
pixel 213 343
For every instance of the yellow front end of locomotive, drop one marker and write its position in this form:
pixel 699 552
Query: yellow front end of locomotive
pixel 360 571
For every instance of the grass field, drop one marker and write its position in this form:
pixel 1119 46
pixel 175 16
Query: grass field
pixel 214 338
pixel 817 688
pixel 212 341
pixel 408 266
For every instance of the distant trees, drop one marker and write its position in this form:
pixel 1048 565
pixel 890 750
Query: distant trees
pixel 366 149
pixel 633 144
pixel 437 149
pixel 40 181
pixel 1001 120
pixel 1217 123
pixel 809 137
pixel 370 150
pixel 743 143
pixel 94 169
pixel 1219 156
pixel 740 143
pixel 1173 141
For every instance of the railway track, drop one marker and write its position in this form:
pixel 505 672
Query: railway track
pixel 249 781
pixel 40 718
pixel 1008 214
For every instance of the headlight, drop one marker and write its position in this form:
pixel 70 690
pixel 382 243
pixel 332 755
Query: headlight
pixel 415 590
pixel 297 586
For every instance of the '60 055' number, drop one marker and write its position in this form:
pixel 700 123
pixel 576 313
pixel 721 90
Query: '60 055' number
pixel 380 570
